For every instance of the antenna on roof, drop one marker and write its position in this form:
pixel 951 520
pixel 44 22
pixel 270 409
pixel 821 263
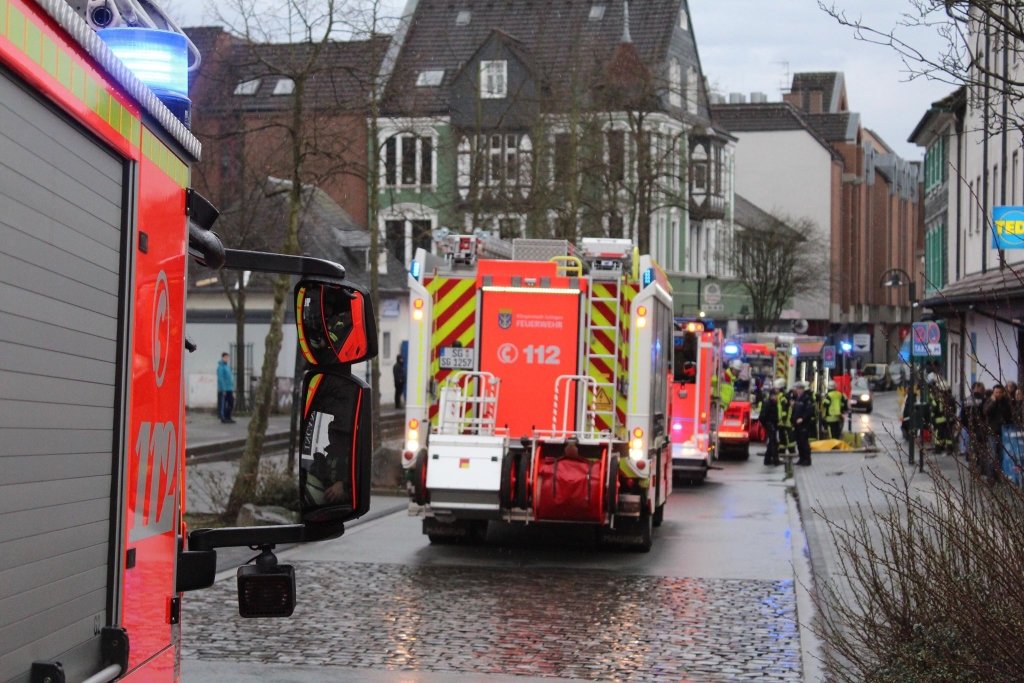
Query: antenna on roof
pixel 787 82
pixel 626 38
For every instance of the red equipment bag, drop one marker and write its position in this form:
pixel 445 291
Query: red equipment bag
pixel 569 489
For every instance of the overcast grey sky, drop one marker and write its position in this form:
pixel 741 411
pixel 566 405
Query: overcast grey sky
pixel 756 45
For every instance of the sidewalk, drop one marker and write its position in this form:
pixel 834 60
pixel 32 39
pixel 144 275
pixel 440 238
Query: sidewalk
pixel 205 428
pixel 838 482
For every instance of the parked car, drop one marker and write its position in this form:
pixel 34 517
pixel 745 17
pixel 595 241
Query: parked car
pixel 861 398
pixel 878 377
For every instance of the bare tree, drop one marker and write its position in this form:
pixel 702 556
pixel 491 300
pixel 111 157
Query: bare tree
pixel 775 262
pixel 306 135
pixel 980 43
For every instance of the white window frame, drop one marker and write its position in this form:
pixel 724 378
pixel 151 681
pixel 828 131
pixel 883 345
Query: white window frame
pixel 596 12
pixel 684 20
pixel 418 183
pixel 493 79
pixel 248 87
pixel 431 78
pixel 675 83
pixel 407 212
pixel 692 91
pixel 284 86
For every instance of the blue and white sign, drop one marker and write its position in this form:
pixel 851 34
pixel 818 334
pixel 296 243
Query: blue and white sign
pixel 828 357
pixel 1008 227
pixel 926 340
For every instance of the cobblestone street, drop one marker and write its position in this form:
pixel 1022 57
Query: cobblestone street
pixel 588 625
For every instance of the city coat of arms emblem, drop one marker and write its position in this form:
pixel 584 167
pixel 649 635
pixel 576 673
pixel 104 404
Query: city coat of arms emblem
pixel 504 319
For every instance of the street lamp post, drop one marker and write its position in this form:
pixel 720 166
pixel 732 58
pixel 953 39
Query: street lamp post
pixel 897 277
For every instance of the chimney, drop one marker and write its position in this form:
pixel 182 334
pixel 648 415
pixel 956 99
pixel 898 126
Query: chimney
pixel 795 98
pixel 716 98
pixel 758 98
pixel 815 104
pixel 737 98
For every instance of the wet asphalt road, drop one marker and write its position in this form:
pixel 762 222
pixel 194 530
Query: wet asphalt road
pixel 713 601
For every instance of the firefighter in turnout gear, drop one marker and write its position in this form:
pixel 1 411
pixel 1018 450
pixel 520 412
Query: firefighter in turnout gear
pixel 769 416
pixel 833 408
pixel 940 400
pixel 784 410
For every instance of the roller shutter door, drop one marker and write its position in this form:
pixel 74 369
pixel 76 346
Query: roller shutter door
pixel 60 262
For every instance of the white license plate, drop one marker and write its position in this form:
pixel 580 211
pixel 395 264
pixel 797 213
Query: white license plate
pixel 457 358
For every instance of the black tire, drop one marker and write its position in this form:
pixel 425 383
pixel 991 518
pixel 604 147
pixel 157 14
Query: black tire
pixel 645 529
pixel 659 515
pixel 439 539
pixel 870 408
pixel 522 499
pixel 419 474
pixel 506 496
pixel 611 493
pixel 745 452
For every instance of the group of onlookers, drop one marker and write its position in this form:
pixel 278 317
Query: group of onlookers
pixel 979 424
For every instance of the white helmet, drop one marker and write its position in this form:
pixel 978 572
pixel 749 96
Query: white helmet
pixel 831 384
pixel 736 364
pixel 931 378
pixel 779 384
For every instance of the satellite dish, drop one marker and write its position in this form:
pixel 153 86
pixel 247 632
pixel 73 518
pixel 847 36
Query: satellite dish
pixel 799 326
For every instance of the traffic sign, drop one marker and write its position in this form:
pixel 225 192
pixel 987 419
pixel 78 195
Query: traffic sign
pixel 862 343
pixel 926 340
pixel 828 356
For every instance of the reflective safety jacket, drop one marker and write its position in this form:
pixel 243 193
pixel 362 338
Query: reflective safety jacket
pixel 834 405
pixel 785 410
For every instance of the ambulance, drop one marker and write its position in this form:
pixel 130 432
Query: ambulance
pixel 97 223
pixel 695 410
pixel 538 390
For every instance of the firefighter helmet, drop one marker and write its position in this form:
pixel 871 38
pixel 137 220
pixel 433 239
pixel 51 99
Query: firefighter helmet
pixel 831 385
pixel 736 364
pixel 779 384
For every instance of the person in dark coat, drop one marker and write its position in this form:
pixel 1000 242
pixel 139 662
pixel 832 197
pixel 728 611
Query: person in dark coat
pixel 398 373
pixel 769 417
pixel 803 423
pixel 998 413
pixel 972 431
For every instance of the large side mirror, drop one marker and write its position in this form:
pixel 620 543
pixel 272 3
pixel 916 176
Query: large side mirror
pixel 335 322
pixel 335 453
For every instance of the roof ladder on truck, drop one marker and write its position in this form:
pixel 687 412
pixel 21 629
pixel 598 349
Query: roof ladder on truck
pixel 603 343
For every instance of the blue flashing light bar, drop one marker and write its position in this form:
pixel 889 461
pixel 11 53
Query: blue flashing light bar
pixel 846 346
pixel 157 58
pixel 730 349
pixel 414 270
pixel 648 276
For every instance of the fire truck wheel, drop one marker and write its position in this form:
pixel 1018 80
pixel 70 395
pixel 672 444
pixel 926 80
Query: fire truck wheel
pixel 611 494
pixel 745 451
pixel 659 515
pixel 419 478
pixel 507 493
pixel 522 499
pixel 644 530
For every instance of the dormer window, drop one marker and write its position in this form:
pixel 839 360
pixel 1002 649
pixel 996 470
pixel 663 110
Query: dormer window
pixel 684 20
pixel 675 83
pixel 596 12
pixel 463 17
pixel 431 78
pixel 284 86
pixel 248 87
pixel 493 79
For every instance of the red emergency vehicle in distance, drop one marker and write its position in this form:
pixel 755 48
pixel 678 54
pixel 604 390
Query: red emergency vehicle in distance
pixel 694 411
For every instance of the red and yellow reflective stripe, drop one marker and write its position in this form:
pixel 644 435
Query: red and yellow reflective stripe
pixel 454 307
pixel 629 292
pixel 300 330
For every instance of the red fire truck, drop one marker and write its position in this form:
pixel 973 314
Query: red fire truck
pixel 695 410
pixel 97 221
pixel 537 390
